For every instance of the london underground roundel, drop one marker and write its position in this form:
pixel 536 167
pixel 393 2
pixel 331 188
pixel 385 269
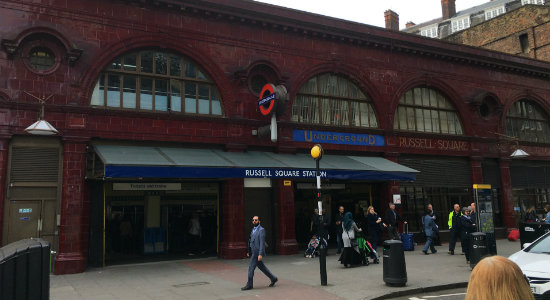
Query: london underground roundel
pixel 267 99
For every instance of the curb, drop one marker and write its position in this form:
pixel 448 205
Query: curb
pixel 427 289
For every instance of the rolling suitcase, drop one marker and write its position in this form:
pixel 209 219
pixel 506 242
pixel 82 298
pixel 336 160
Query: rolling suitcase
pixel 407 239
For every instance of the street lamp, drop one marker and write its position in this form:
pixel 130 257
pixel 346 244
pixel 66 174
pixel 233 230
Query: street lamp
pixel 317 154
pixel 41 127
pixel 518 153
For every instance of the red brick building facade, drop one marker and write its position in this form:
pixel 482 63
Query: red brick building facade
pixel 156 107
pixel 524 31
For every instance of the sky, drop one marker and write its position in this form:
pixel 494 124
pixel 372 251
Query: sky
pixel 372 11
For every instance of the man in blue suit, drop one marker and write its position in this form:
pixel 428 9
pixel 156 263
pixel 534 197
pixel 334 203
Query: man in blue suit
pixel 256 251
pixel 430 229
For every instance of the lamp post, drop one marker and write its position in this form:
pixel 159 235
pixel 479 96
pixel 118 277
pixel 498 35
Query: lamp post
pixel 41 127
pixel 317 154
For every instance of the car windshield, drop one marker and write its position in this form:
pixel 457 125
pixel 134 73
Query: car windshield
pixel 541 246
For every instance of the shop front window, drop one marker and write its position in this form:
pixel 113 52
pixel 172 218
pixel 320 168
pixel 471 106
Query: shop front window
pixel 527 121
pixel 415 200
pixel 424 109
pixel 151 80
pixel 333 100
pixel 525 198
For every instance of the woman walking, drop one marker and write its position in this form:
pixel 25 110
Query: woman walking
pixel 350 255
pixel 374 223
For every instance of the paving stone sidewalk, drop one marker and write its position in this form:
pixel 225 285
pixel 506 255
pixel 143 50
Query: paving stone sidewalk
pixel 299 278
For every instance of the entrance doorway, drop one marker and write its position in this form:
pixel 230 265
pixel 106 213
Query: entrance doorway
pixel 356 197
pixel 148 225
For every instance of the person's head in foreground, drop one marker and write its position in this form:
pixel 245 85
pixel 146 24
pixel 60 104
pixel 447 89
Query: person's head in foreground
pixel 497 277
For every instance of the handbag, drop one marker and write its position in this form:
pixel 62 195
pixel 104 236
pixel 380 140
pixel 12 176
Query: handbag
pixel 353 242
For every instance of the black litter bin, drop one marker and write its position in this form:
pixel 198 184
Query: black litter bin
pixel 24 270
pixel 395 270
pixel 530 231
pixel 478 247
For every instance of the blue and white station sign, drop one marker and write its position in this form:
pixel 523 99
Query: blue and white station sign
pixel 327 137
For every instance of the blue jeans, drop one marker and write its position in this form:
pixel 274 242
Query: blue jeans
pixel 340 242
pixel 430 244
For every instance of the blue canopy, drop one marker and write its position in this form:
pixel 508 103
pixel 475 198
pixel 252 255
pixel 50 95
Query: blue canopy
pixel 165 162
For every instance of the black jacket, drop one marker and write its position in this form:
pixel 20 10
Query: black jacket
pixel 466 225
pixel 339 217
pixel 390 219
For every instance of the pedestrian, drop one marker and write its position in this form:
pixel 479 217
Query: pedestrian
pixel 256 252
pixel 351 254
pixel 473 213
pixel 322 223
pixel 454 227
pixel 391 219
pixel 435 216
pixel 467 226
pixel 430 229
pixel 547 217
pixel 313 227
pixel 374 225
pixel 531 215
pixel 195 234
pixel 339 217
pixel 497 277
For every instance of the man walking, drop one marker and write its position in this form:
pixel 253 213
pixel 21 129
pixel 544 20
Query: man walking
pixel 430 229
pixel 454 227
pixel 256 251
pixel 339 217
pixel 391 218
pixel 436 239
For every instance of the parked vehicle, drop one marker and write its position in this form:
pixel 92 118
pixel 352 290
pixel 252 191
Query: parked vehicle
pixel 534 261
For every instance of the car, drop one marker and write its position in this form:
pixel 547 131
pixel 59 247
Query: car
pixel 534 262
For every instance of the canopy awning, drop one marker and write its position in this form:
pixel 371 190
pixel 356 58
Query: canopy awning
pixel 165 162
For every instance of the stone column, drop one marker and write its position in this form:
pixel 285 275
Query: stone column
pixel 4 146
pixel 75 207
pixel 477 170
pixel 506 194
pixel 390 188
pixel 286 243
pixel 233 243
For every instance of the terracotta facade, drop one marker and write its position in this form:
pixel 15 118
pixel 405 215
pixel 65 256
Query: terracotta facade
pixel 228 39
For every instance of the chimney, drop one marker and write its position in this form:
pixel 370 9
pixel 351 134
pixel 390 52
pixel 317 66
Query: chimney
pixel 409 24
pixel 392 20
pixel 448 9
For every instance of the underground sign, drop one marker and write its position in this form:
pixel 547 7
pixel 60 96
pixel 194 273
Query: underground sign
pixel 267 99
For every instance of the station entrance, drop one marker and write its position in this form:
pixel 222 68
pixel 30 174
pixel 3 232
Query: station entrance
pixel 159 221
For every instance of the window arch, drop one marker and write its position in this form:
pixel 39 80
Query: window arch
pixel 150 80
pixel 427 110
pixel 527 121
pixel 332 99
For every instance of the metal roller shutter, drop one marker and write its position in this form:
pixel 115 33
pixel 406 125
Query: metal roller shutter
pixel 439 171
pixel 530 174
pixel 34 164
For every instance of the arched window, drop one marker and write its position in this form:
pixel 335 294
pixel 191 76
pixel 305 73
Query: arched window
pixel 150 80
pixel 426 110
pixel 527 121
pixel 331 99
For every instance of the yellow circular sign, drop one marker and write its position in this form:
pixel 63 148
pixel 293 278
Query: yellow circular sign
pixel 316 151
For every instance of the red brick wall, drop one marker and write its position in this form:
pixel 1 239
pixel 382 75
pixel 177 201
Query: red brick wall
pixel 502 33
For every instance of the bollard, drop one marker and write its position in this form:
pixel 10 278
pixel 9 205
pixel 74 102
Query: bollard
pixel 323 262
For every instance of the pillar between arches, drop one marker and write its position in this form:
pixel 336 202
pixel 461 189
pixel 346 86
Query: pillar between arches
pixel 72 255
pixel 233 245
pixel 286 243
pixel 506 193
